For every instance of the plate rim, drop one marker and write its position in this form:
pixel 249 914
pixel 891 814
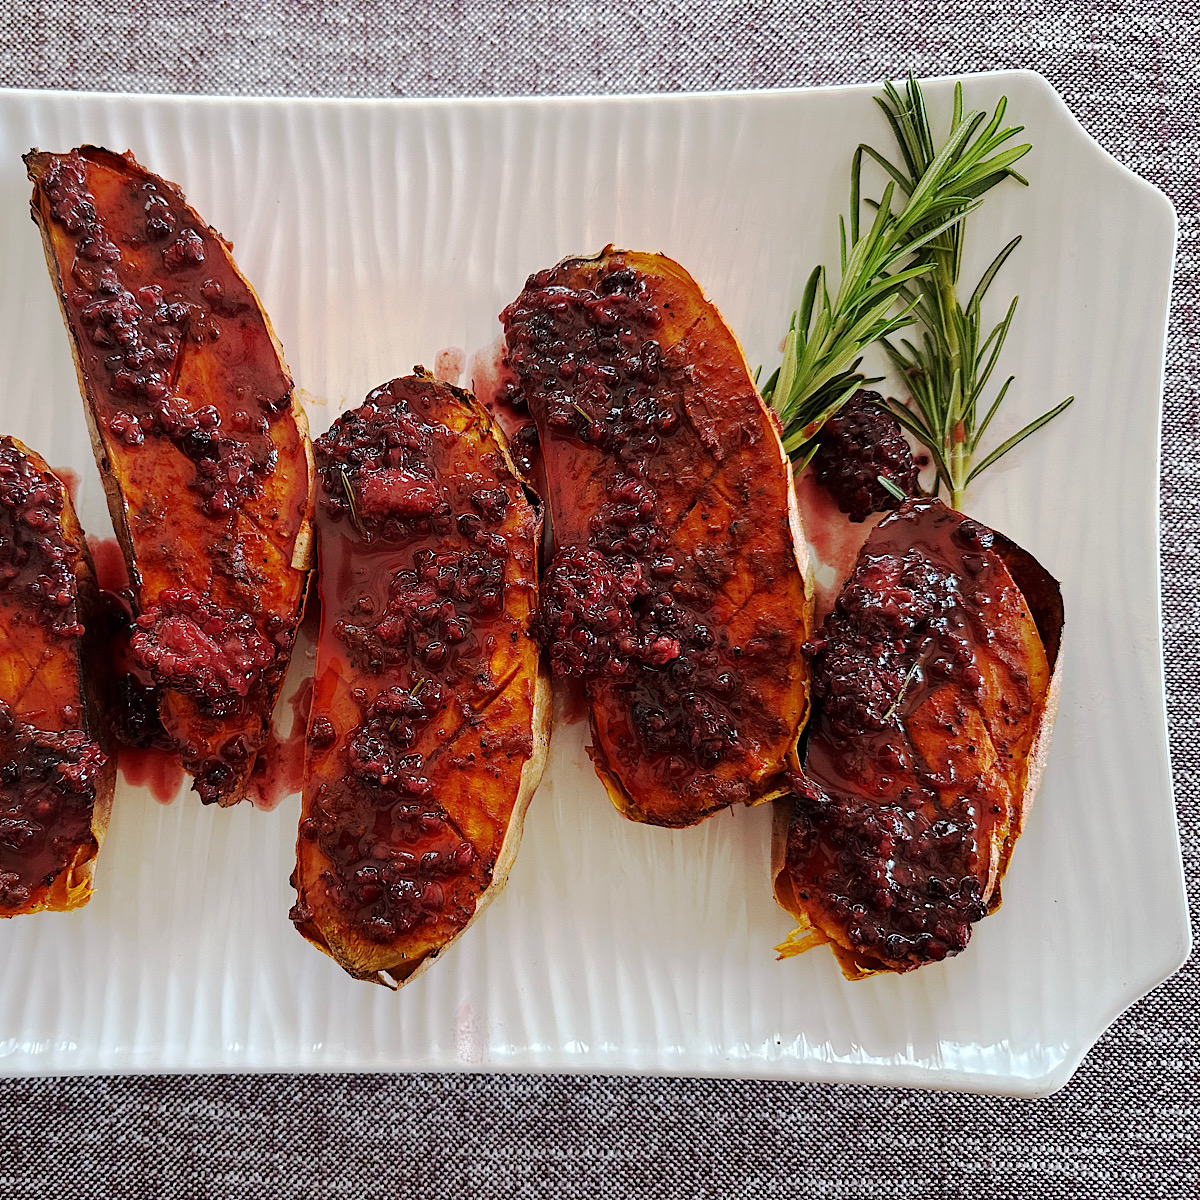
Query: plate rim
pixel 815 1069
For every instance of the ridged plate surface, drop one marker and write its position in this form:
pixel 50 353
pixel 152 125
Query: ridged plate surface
pixel 378 233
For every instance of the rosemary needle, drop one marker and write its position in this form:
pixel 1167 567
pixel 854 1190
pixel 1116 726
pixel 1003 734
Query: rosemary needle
pixel 879 267
pixel 348 488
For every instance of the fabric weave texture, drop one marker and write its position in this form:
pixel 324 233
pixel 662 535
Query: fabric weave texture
pixel 1127 1125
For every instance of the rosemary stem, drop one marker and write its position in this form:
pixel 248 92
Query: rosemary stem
pixel 953 439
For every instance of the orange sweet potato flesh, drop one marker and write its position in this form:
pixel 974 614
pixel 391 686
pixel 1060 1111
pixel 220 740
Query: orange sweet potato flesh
pixel 57 785
pixel 661 458
pixel 899 834
pixel 201 445
pixel 429 719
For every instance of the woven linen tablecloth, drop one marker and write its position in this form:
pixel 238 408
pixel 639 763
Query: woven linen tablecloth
pixel 1127 1124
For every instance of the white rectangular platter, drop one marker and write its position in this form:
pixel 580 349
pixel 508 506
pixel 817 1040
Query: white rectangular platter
pixel 380 232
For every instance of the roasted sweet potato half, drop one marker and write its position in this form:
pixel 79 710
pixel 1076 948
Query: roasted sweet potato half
pixel 429 719
pixel 56 777
pixel 936 681
pixel 202 447
pixel 679 588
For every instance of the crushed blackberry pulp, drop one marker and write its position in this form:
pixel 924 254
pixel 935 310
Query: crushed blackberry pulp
pixel 48 784
pixel 50 767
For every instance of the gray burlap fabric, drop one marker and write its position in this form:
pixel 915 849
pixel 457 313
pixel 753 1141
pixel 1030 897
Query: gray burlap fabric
pixel 1127 1125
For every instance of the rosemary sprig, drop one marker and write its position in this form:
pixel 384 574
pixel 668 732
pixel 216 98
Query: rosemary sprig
pixel 879 267
pixel 948 372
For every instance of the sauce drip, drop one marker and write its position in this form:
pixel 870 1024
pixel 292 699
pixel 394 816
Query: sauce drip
pixel 111 572
pixel 570 702
pixel 495 387
pixel 448 364
pixel 279 767
pixel 146 753
pixel 70 480
pixel 834 539
pixel 159 770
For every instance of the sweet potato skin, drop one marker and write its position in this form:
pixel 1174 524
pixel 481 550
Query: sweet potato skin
pixel 987 743
pixel 429 800
pixel 201 444
pixel 49 676
pixel 659 453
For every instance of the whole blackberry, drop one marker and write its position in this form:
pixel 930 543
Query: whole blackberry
pixel 857 445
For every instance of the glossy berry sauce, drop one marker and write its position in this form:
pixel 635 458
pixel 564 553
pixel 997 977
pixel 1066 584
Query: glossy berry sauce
pixel 48 789
pixel 37 564
pixel 194 410
pixel 70 480
pixel 890 845
pixel 50 767
pixel 134 336
pixel 652 464
pixel 427 545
